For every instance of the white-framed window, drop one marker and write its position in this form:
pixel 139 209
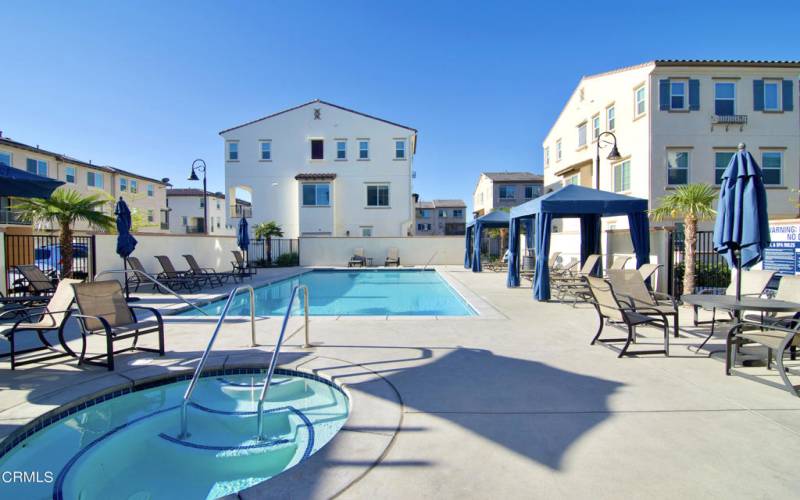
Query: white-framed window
pixel 38 167
pixel 378 195
pixel 341 149
pixel 151 217
pixel 316 194
pixel 582 135
pixel 265 150
pixel 533 191
pixel 233 150
pixel 772 167
pixel 677 95
pixel 317 149
pixel 622 176
pixel 721 160
pixel 94 179
pixel 363 149
pixel 611 118
pixel 558 150
pixel 442 213
pixel 69 175
pixel 640 102
pixel 151 191
pixel 772 95
pixel 678 167
pixel 424 213
pixel 123 184
pixel 724 98
pixel 134 186
pixel 366 231
pixel 507 192
pixel 399 149
pixel 595 127
pixel 573 179
pixel 5 158
pixel 546 156
pixel 184 220
pixel 458 213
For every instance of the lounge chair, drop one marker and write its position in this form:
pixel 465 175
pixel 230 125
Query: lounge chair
pixel 103 310
pixel 630 284
pixel 181 278
pixel 138 279
pixel 358 259
pixel 610 306
pixel 240 266
pixel 392 257
pixel 776 338
pixel 42 319
pixel 619 262
pixel 648 271
pixel 210 273
pixel 574 284
pixel 788 290
pixel 37 282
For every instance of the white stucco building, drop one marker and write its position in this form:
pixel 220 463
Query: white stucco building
pixel 186 212
pixel 323 170
pixel 678 122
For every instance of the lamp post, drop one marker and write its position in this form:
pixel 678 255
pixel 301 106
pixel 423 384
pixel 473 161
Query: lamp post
pixel 613 156
pixel 200 166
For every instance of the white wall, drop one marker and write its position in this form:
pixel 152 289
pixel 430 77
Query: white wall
pixel 325 251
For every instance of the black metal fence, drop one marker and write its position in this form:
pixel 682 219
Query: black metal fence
pixel 45 252
pixel 275 252
pixel 493 247
pixel 710 268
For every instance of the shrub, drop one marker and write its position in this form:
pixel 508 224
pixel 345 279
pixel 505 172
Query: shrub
pixel 288 259
pixel 260 263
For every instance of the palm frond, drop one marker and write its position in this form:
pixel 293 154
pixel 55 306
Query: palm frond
pixel 694 200
pixel 65 207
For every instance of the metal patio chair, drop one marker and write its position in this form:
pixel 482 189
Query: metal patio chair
pixel 775 337
pixel 392 257
pixel 569 284
pixel 38 283
pixel 209 272
pixel 185 278
pixel 358 259
pixel 240 265
pixel 630 284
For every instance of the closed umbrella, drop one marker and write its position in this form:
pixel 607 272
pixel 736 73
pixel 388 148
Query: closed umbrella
pixel 126 243
pixel 22 184
pixel 242 237
pixel 741 231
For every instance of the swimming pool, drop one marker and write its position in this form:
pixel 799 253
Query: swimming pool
pixel 127 446
pixel 355 293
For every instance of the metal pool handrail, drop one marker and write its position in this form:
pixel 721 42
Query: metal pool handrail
pixel 154 280
pixel 429 260
pixel 189 390
pixel 274 360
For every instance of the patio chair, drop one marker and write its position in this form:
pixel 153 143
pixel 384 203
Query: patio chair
pixel 648 271
pixel 179 278
pixel 103 310
pixel 240 266
pixel 38 282
pixel 209 272
pixel 138 279
pixel 630 284
pixel 41 319
pixel 788 290
pixel 619 262
pixel 574 284
pixel 392 257
pixel 776 338
pixel 611 307
pixel 358 259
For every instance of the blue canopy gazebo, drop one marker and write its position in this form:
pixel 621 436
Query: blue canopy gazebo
pixel 571 201
pixel 472 238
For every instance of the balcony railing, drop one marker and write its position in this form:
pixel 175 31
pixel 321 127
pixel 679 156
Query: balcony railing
pixel 8 216
pixel 728 120
pixel 242 211
pixel 194 229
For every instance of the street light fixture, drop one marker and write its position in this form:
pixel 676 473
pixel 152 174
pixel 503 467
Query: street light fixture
pixel 200 166
pixel 613 155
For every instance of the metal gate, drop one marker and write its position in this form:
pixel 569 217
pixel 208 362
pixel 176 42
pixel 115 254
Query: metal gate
pixel 710 268
pixel 45 253
pixel 278 247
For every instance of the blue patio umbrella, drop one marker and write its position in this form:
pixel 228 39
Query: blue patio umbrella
pixel 126 243
pixel 242 235
pixel 741 231
pixel 22 184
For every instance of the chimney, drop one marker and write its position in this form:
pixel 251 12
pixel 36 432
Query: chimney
pixel 415 197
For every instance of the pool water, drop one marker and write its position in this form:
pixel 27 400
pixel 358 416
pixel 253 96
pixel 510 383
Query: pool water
pixel 127 447
pixel 355 293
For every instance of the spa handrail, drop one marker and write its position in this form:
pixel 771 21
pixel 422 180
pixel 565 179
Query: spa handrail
pixel 199 370
pixel 275 352
pixel 154 280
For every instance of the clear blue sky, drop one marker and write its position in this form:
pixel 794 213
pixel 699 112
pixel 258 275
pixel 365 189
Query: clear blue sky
pixel 147 86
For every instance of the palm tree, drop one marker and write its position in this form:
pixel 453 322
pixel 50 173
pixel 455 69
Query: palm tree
pixel 64 208
pixel 267 231
pixel 694 202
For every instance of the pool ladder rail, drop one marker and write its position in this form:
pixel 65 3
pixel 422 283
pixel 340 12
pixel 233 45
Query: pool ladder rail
pixel 184 432
pixel 156 283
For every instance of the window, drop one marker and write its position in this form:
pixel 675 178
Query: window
pixel 151 191
pixel 185 220
pixel 420 227
pixel 123 184
pixel 611 118
pixel 458 213
pixel 366 231
pixel 363 150
pixel 622 176
pixel 677 94
pixel 38 167
pixel 772 95
pixel 427 227
pixel 94 179
pixel 5 158
pixel 266 151
pixel 424 213
pixel 721 160
pixel 217 204
pixel 639 100
pixel 532 191
pixel 399 150
pixel 150 215
pixel 582 135
pixel 558 150
pixel 771 163
pixel 317 149
pixel 595 127
pixel 69 174
pixel 316 195
pixel 378 196
pixel 573 179
pixel 233 151
pixel 341 150
pixel 443 213
pixel 546 157
pixel 724 98
pixel 507 192
pixel 134 186
pixel 677 167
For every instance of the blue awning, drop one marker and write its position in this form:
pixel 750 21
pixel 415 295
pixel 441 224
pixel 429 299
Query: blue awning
pixel 574 201
pixel 497 219
pixel 22 184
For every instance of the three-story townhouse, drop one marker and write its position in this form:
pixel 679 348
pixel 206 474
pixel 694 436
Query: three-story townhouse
pixel 504 190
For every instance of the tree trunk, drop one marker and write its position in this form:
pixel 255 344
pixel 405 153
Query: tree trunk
pixel 690 245
pixel 269 250
pixel 65 240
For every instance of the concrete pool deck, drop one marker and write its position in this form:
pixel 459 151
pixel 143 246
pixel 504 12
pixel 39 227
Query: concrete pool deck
pixel 513 403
